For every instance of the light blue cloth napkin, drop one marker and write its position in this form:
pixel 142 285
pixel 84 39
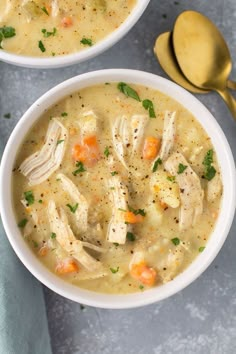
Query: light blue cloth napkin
pixel 23 320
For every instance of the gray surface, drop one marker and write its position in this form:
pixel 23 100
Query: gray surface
pixel 202 318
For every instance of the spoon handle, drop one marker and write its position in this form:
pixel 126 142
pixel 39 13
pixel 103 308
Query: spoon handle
pixel 229 100
pixel 231 84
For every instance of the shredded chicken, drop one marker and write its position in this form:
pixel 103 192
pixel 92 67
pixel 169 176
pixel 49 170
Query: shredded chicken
pixel 5 10
pixel 191 193
pixel 65 237
pixel 88 123
pixel 127 135
pixel 40 166
pixel 168 138
pixel 81 213
pixel 117 229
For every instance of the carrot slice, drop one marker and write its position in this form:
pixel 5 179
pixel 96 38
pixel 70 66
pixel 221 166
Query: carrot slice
pixel 43 251
pixel 66 21
pixel 151 147
pixel 80 153
pixel 88 152
pixel 146 275
pixel 67 266
pixel 131 218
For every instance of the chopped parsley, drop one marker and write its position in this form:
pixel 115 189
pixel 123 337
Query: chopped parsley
pixel 130 236
pixel 73 208
pixel 40 201
pixel 210 171
pixel 53 235
pixel 114 270
pixel 116 244
pixel 122 209
pixel 22 223
pixel 35 244
pixel 106 151
pixel 86 41
pixel 7 115
pixel 6 32
pixel 137 211
pixel 201 249
pixel 64 114
pixel 29 197
pixel 175 241
pixel 148 105
pixel 45 10
pixel 156 164
pixel 141 287
pixel 41 46
pixel 80 168
pixel 60 141
pixel 114 173
pixel 47 34
pixel 181 168
pixel 128 91
pixel 171 178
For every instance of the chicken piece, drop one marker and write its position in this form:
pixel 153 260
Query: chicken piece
pixel 191 193
pixel 167 191
pixel 65 237
pixel 214 186
pixel 88 124
pixel 5 10
pixel 81 214
pixel 39 166
pixel 127 135
pixel 117 228
pixel 168 138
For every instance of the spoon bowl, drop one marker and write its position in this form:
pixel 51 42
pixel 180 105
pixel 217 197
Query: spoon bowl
pixel 203 55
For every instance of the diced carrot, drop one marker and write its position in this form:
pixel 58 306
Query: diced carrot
pixel 72 131
pixel 66 21
pixel 151 147
pixel 131 218
pixel 67 266
pixel 90 140
pixel 79 153
pixel 146 275
pixel 43 251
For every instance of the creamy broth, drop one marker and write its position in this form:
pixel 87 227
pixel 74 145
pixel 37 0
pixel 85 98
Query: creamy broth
pixel 159 235
pixel 59 27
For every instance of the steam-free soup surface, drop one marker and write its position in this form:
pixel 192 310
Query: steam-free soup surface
pixel 122 191
pixel 58 27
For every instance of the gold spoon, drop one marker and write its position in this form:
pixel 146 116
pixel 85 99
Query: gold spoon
pixel 163 49
pixel 203 55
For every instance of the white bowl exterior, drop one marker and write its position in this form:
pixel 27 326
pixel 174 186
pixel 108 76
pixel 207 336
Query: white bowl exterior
pixel 88 53
pixel 223 223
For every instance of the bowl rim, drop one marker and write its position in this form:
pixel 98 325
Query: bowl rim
pixel 83 55
pixel 217 238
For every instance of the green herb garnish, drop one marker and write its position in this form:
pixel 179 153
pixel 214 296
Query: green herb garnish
pixel 40 201
pixel 141 287
pixel 175 241
pixel 128 91
pixel 137 211
pixel 60 141
pixel 53 235
pixel 86 41
pixel 29 197
pixel 114 173
pixel 106 151
pixel 171 178
pixel 22 223
pixel 7 115
pixel 116 244
pixel 47 34
pixel 6 32
pixel 181 168
pixel 73 208
pixel 201 249
pixel 64 114
pixel 80 168
pixel 45 10
pixel 156 164
pixel 130 236
pixel 148 105
pixel 35 244
pixel 113 270
pixel 210 171
pixel 41 46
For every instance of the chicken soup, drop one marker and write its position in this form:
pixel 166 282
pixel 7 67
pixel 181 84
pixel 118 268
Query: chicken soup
pixel 117 188
pixel 44 28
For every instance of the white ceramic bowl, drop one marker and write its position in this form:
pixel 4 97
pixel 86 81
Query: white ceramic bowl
pixel 217 238
pixel 60 61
